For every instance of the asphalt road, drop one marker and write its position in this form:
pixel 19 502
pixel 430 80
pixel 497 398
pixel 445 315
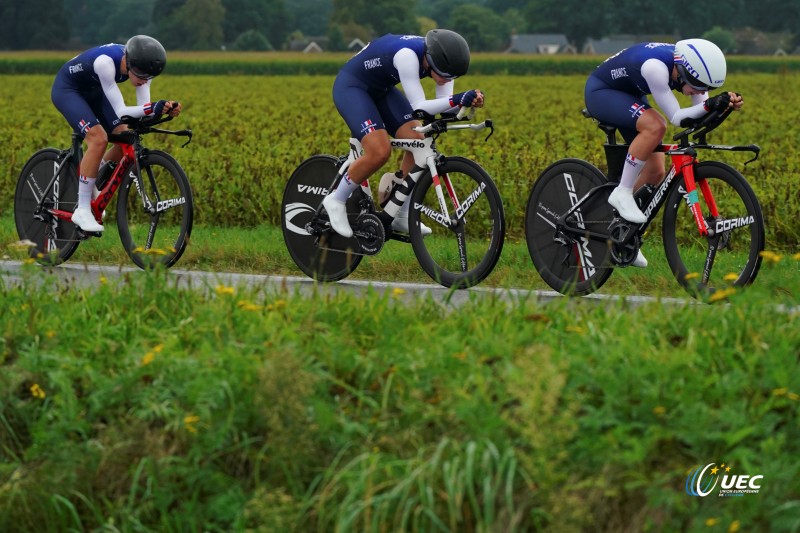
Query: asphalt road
pixel 86 275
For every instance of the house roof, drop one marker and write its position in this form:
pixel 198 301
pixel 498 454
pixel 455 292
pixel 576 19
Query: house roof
pixel 538 43
pixel 607 46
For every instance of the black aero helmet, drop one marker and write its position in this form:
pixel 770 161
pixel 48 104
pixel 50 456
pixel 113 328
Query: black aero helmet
pixel 447 53
pixel 146 57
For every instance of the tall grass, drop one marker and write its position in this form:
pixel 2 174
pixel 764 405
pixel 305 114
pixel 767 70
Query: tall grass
pixel 139 406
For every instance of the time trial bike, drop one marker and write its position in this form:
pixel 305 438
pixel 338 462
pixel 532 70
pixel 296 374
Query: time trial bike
pixel 712 228
pixel 154 206
pixel 453 196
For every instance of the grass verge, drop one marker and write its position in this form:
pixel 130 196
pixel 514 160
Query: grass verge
pixel 136 406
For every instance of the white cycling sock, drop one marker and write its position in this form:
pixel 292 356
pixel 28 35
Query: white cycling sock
pixel 631 170
pixel 85 189
pixel 345 189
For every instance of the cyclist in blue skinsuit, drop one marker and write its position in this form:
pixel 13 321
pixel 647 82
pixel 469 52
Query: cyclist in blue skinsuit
pixel 366 96
pixel 85 91
pixel 616 93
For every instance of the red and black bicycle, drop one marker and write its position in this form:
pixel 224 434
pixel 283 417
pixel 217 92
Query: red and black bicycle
pixel 713 229
pixel 154 206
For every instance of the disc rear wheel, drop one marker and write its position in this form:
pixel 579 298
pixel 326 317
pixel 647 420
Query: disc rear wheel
pixel 315 255
pixel 52 240
pixel 569 262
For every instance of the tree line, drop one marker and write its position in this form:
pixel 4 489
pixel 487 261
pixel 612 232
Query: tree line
pixel 273 24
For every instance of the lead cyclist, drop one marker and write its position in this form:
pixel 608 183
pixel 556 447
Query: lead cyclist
pixel 367 97
pixel 616 94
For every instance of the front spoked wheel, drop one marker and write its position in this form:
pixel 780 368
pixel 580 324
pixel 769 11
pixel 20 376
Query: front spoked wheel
pixel 463 248
pixel 569 262
pixel 319 257
pixel 155 223
pixel 54 239
pixel 731 254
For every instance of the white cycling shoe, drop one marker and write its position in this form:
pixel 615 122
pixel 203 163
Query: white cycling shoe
pixel 640 261
pixel 337 213
pixel 400 224
pixel 623 202
pixel 84 219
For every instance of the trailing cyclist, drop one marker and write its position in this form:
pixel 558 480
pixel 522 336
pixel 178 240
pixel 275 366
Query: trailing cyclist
pixel 85 91
pixel 366 96
pixel 616 94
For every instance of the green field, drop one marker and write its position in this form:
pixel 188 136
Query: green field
pixel 251 132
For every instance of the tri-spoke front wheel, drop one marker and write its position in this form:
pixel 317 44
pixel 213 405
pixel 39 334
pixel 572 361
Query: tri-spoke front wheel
pixel 155 222
pixel 731 254
pixel 465 215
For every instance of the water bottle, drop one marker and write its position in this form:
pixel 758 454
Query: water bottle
pixel 644 194
pixel 105 172
pixel 387 185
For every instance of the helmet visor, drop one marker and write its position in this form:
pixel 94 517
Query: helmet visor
pixel 690 80
pixel 432 65
pixel 141 75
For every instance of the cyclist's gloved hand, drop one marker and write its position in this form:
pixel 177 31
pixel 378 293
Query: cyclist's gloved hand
pixel 718 103
pixel 156 108
pixel 464 99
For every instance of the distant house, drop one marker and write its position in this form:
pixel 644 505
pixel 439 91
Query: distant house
pixel 356 45
pixel 607 46
pixel 540 43
pixel 308 45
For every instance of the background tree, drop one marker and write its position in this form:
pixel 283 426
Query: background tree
pixel 484 30
pixel 251 40
pixel 33 24
pixel 268 17
pixel 195 25
pixel 379 16
pixel 722 38
pixel 310 16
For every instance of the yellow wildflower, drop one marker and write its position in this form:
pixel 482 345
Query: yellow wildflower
pixel 711 522
pixel 397 291
pixel 659 410
pixel 189 421
pixel 222 290
pixel 731 277
pixel 691 275
pixel 721 294
pixel 37 391
pixel 734 527
pixel 770 257
pixel 148 358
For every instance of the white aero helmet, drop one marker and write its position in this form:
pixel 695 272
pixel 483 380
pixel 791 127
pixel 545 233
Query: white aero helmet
pixel 701 64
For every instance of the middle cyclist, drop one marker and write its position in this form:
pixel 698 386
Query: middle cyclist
pixel 366 96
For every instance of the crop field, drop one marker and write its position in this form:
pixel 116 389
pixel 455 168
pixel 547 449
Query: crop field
pixel 252 131
pixel 139 405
